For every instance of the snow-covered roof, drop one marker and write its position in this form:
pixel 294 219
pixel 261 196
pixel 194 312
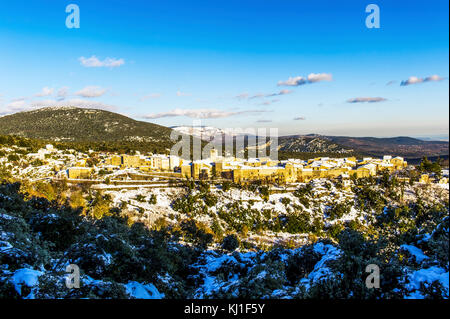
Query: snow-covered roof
pixel 369 166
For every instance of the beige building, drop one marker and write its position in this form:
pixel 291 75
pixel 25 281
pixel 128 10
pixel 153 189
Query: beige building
pixel 79 172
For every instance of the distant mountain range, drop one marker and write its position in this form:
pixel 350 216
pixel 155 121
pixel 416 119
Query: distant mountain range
pixel 402 146
pixel 439 137
pixel 70 124
pixel 208 133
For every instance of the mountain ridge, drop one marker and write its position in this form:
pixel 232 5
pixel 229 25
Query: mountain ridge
pixel 73 124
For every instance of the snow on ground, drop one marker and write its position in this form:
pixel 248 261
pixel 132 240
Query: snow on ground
pixel 416 252
pixel 321 270
pixel 25 277
pixel 141 291
pixel 427 275
pixel 150 212
pixel 444 186
pixel 211 263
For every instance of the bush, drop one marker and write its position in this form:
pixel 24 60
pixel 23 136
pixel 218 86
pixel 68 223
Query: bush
pixel 285 201
pixel 298 223
pixel 338 210
pixel 226 186
pixel 140 198
pixel 230 243
pixel 264 191
pixel 13 158
pixel 299 265
pixel 198 234
pixel 152 200
pixel 210 199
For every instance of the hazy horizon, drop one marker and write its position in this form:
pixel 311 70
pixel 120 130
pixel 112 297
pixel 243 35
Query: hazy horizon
pixel 426 137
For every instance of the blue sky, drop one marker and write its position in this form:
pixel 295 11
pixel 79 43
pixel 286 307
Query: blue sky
pixel 227 63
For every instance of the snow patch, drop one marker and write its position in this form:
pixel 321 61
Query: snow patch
pixel 25 276
pixel 140 291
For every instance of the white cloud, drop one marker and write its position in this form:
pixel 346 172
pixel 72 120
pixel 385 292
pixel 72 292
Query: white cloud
pixel 17 104
pixel 14 106
pixel 282 92
pixel 91 91
pixel 433 78
pixel 311 78
pixel 261 95
pixel 46 91
pixel 318 77
pixel 416 80
pixel 366 100
pixel 198 113
pixel 94 62
pixel 263 121
pixel 296 81
pixel 411 80
pixel 300 118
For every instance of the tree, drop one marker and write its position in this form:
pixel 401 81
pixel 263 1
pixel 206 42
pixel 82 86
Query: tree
pixel 426 166
pixel 13 158
pixel 100 206
pixel 5 174
pixel 338 210
pixel 226 186
pixel 77 200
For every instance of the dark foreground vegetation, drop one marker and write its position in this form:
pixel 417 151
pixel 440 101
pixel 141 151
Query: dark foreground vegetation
pixel 41 237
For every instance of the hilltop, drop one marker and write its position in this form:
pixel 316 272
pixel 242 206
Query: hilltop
pixel 92 127
pixel 73 124
pixel 311 144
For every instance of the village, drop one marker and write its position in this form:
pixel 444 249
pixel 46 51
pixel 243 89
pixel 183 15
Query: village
pixel 81 167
